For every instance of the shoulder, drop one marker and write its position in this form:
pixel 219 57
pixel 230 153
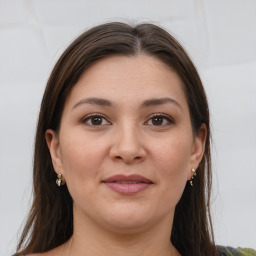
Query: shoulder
pixel 230 251
pixel 49 253
pixel 40 254
pixel 53 252
pixel 36 254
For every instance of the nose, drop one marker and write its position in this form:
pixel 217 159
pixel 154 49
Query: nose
pixel 127 145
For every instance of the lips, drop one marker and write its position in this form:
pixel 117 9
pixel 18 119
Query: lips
pixel 128 184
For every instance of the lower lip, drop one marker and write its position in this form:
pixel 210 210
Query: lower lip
pixel 128 189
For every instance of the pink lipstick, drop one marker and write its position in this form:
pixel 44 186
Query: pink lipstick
pixel 128 184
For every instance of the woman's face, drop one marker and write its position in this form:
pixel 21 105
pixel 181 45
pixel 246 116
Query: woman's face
pixel 125 146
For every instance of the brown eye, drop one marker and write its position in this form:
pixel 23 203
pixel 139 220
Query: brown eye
pixel 157 120
pixel 160 120
pixel 95 120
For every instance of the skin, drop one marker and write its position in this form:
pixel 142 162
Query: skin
pixel 127 139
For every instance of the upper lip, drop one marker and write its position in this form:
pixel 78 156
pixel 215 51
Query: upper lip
pixel 128 178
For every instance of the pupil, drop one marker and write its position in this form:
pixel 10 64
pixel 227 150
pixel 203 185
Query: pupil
pixel 157 120
pixel 96 120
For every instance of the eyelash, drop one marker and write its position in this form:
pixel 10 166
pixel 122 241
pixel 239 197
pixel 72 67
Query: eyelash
pixel 168 119
pixel 93 115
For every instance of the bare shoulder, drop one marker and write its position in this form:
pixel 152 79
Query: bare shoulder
pixel 58 251
pixel 42 254
pixel 49 253
pixel 37 254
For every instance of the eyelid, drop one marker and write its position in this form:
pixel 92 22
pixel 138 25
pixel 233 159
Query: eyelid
pixel 164 116
pixel 87 117
pixel 161 115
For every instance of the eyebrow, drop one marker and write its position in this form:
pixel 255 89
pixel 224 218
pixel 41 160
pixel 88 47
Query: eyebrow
pixel 95 101
pixel 160 101
pixel 146 103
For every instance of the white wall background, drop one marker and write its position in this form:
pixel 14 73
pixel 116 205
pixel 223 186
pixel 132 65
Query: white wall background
pixel 220 35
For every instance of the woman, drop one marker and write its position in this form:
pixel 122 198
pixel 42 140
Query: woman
pixel 122 155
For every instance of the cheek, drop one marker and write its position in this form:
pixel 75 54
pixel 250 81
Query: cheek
pixel 82 161
pixel 173 154
pixel 172 158
pixel 81 158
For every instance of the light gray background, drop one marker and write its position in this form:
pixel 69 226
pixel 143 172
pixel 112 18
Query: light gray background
pixel 220 36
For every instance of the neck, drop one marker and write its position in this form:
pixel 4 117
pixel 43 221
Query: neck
pixel 91 239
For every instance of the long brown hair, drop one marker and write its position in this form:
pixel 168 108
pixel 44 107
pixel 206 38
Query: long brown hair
pixel 50 221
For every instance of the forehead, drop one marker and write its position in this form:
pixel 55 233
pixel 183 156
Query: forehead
pixel 122 78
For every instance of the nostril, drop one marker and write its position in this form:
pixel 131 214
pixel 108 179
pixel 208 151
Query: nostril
pixel 127 154
pixel 129 159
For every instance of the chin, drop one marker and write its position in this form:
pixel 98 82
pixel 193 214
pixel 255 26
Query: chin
pixel 127 228
pixel 128 220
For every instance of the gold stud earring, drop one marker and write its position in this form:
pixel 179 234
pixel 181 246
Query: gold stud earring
pixel 194 174
pixel 59 180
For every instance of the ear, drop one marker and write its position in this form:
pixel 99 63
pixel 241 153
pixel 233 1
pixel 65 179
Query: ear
pixel 52 141
pixel 197 149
